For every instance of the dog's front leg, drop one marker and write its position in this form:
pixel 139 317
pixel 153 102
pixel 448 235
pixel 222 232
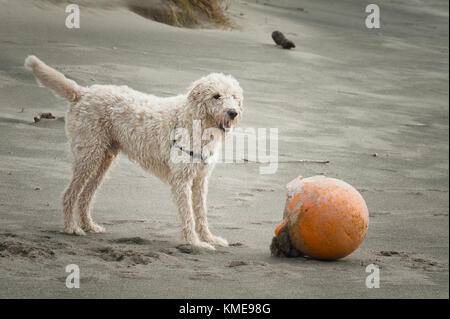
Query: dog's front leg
pixel 182 194
pixel 199 194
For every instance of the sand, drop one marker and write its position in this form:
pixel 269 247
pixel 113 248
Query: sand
pixel 374 103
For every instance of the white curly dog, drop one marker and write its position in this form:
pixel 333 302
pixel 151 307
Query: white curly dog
pixel 103 120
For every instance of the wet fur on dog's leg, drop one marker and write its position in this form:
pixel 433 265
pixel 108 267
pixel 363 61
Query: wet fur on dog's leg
pixel 86 163
pixel 88 192
pixel 199 194
pixel 182 195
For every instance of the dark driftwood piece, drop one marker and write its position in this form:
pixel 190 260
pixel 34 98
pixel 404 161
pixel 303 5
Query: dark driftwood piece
pixel 40 116
pixel 281 40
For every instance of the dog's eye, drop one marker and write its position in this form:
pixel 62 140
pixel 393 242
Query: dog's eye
pixel 217 96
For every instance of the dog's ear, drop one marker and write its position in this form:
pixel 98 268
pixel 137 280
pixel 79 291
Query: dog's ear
pixel 196 98
pixel 195 92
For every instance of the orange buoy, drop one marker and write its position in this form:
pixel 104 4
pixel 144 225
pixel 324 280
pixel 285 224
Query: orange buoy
pixel 324 218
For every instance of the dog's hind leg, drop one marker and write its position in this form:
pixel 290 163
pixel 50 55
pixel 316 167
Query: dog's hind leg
pixel 182 194
pixel 199 194
pixel 84 164
pixel 87 194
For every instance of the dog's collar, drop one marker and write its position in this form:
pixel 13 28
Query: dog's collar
pixel 190 153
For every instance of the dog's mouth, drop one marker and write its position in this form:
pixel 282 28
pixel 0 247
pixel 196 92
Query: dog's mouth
pixel 225 126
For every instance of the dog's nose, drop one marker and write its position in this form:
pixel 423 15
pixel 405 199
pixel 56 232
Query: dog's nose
pixel 232 114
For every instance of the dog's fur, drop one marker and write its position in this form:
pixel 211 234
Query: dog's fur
pixel 103 120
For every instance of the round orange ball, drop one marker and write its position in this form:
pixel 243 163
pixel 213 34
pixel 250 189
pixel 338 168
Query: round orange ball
pixel 326 217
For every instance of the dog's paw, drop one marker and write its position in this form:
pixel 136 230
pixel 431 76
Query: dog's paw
pixel 94 228
pixel 74 230
pixel 216 240
pixel 202 244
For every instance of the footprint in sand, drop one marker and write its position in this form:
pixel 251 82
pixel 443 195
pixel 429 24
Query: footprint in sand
pixel 379 214
pixel 188 249
pixel 131 257
pixel 205 275
pixel 246 194
pixel 261 189
pixel 12 249
pixel 124 221
pixel 415 262
pixel 131 240
pixel 243 197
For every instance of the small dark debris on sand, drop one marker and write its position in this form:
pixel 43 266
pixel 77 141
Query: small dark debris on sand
pixel 281 40
pixel 389 253
pixel 40 116
pixel 281 245
pixel 131 240
pixel 237 263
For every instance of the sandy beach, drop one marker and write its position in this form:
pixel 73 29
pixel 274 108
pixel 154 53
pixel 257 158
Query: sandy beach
pixel 372 102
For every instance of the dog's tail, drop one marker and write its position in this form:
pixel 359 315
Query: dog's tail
pixel 53 79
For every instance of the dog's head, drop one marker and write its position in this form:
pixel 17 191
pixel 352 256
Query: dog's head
pixel 218 99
